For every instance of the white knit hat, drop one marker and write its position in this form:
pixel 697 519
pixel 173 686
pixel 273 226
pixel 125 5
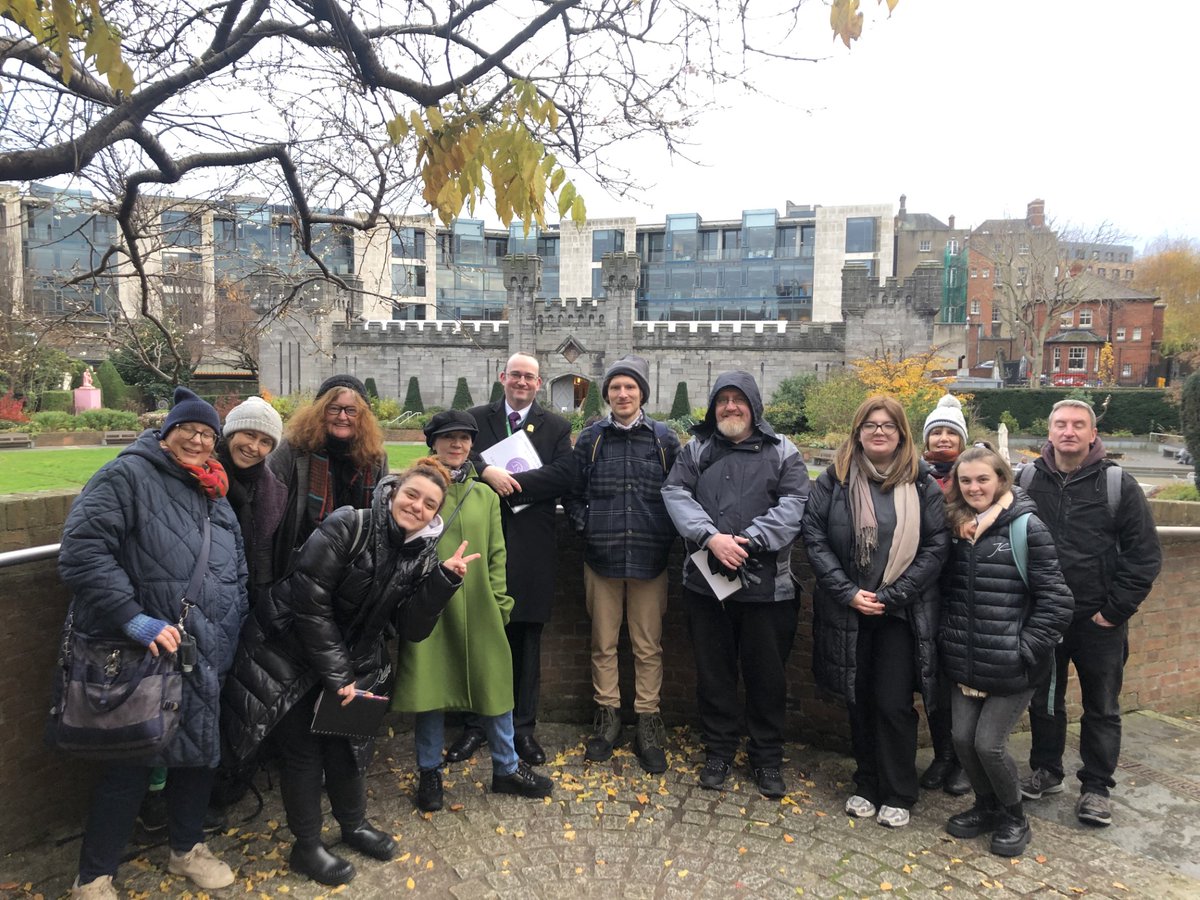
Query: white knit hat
pixel 254 414
pixel 948 413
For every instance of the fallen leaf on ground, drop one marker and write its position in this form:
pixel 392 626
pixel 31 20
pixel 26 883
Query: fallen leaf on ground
pixel 788 839
pixel 885 885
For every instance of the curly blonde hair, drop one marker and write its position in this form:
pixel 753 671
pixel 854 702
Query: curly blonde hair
pixel 307 429
pixel 906 466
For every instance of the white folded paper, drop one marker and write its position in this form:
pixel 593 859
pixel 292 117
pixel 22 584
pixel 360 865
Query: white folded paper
pixel 514 454
pixel 720 585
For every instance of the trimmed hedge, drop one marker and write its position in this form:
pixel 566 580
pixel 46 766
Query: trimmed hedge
pixel 56 401
pixel 1139 410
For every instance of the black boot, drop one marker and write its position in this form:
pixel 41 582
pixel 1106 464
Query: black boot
pixel 316 862
pixel 956 782
pixel 979 819
pixel 935 776
pixel 1012 834
pixel 369 840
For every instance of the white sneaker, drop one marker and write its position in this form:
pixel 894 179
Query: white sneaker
pixel 892 816
pixel 97 889
pixel 204 869
pixel 860 807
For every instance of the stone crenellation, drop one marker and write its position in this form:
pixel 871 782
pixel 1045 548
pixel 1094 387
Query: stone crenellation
pixel 576 338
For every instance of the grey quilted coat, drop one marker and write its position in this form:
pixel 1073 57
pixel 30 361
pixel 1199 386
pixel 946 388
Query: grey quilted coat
pixel 130 546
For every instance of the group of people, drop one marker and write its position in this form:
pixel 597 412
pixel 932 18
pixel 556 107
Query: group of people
pixel 935 573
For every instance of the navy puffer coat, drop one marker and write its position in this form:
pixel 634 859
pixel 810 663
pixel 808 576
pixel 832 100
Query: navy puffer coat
pixel 130 546
pixel 997 635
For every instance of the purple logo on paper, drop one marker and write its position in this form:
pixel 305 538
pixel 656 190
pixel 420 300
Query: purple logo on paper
pixel 516 464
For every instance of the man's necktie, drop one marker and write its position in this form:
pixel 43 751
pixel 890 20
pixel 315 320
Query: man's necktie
pixel 514 421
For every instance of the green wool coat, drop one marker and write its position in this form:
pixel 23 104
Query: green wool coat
pixel 465 663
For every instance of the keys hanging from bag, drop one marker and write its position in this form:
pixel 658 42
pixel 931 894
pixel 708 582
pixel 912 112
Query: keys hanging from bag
pixel 114 699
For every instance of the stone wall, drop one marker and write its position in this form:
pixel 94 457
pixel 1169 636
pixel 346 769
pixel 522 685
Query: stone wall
pixel 46 793
pixel 579 337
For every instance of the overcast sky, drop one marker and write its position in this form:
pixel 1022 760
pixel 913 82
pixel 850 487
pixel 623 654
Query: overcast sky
pixel 971 108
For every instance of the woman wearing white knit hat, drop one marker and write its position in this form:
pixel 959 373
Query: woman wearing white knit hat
pixel 945 439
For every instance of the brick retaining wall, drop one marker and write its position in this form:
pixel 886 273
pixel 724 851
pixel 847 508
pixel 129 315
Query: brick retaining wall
pixel 45 793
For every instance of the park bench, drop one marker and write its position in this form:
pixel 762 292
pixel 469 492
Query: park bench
pixel 823 458
pixel 15 439
pixel 112 438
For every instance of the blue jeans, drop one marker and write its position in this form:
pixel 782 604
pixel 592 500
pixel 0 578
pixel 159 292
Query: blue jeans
pixel 430 733
pixel 115 804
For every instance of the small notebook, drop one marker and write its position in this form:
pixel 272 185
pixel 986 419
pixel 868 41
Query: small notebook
pixel 359 718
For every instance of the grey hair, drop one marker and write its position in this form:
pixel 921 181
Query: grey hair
pixel 1080 404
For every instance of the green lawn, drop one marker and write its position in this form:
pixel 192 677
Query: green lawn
pixel 71 467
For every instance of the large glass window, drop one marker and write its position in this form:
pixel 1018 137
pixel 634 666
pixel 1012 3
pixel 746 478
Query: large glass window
pixel 758 233
pixel 861 235
pixel 520 241
pixel 682 237
pixel 710 245
pixel 408 280
pixel 468 242
pixel 606 240
pixel 1077 359
pixel 408 243
pixel 785 242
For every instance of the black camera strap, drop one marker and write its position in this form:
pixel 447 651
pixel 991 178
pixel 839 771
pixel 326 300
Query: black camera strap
pixel 192 593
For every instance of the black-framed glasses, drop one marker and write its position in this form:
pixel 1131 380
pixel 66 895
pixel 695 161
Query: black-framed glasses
pixel 335 411
pixel 206 437
pixel 885 427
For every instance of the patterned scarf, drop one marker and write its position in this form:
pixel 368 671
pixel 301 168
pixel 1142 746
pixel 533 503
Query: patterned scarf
pixel 941 461
pixel 211 476
pixel 323 498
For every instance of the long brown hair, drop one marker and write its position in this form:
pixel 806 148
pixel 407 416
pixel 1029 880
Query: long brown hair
pixel 906 463
pixel 306 430
pixel 958 511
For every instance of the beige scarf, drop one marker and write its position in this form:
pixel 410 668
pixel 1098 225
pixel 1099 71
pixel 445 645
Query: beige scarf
pixel 975 528
pixel 866 527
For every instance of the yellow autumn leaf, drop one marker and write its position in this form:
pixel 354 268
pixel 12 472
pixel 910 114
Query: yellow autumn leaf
pixel 885 885
pixel 845 20
pixel 410 884
pixel 788 839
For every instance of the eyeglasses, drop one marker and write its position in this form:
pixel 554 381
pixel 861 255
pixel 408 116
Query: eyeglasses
pixel 521 376
pixel 207 438
pixel 334 411
pixel 872 427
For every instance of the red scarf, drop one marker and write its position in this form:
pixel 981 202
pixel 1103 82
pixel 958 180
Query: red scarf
pixel 213 480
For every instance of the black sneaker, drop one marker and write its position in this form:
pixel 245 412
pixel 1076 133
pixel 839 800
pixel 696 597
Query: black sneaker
pixel 770 782
pixel 152 815
pixel 1094 809
pixel 650 743
pixel 1039 784
pixel 524 782
pixel 429 790
pixel 715 772
pixel 606 730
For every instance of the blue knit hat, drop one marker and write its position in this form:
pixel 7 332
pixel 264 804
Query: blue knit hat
pixel 190 408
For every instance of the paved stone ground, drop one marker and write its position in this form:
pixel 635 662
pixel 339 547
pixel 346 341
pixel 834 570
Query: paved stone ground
pixel 612 831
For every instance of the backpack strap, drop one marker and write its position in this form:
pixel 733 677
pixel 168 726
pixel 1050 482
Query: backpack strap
pixel 1112 483
pixel 1025 475
pixel 359 542
pixel 1018 535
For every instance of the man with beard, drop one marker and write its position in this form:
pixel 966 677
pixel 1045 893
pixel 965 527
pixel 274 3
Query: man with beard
pixel 737 491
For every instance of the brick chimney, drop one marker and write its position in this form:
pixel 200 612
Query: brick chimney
pixel 1035 215
pixel 951 222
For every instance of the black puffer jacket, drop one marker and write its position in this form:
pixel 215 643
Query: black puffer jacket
pixel 997 635
pixel 130 546
pixel 828 532
pixel 335 600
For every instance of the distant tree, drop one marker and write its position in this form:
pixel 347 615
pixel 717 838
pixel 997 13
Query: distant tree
pixel 681 408
pixel 1107 365
pixel 829 407
pixel 591 403
pixel 792 390
pixel 1171 271
pixel 462 396
pixel 1189 418
pixel 497 392
pixel 412 399
pixel 372 391
pixel 113 390
pixel 910 379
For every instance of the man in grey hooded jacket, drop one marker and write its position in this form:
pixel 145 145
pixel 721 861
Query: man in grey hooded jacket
pixel 737 492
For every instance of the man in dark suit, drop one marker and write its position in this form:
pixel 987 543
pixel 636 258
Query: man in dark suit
pixel 530 537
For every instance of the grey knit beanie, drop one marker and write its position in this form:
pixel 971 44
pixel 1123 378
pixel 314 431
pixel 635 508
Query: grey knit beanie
pixel 254 414
pixel 633 366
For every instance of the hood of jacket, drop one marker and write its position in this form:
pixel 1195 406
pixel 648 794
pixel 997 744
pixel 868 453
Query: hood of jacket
pixel 745 383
